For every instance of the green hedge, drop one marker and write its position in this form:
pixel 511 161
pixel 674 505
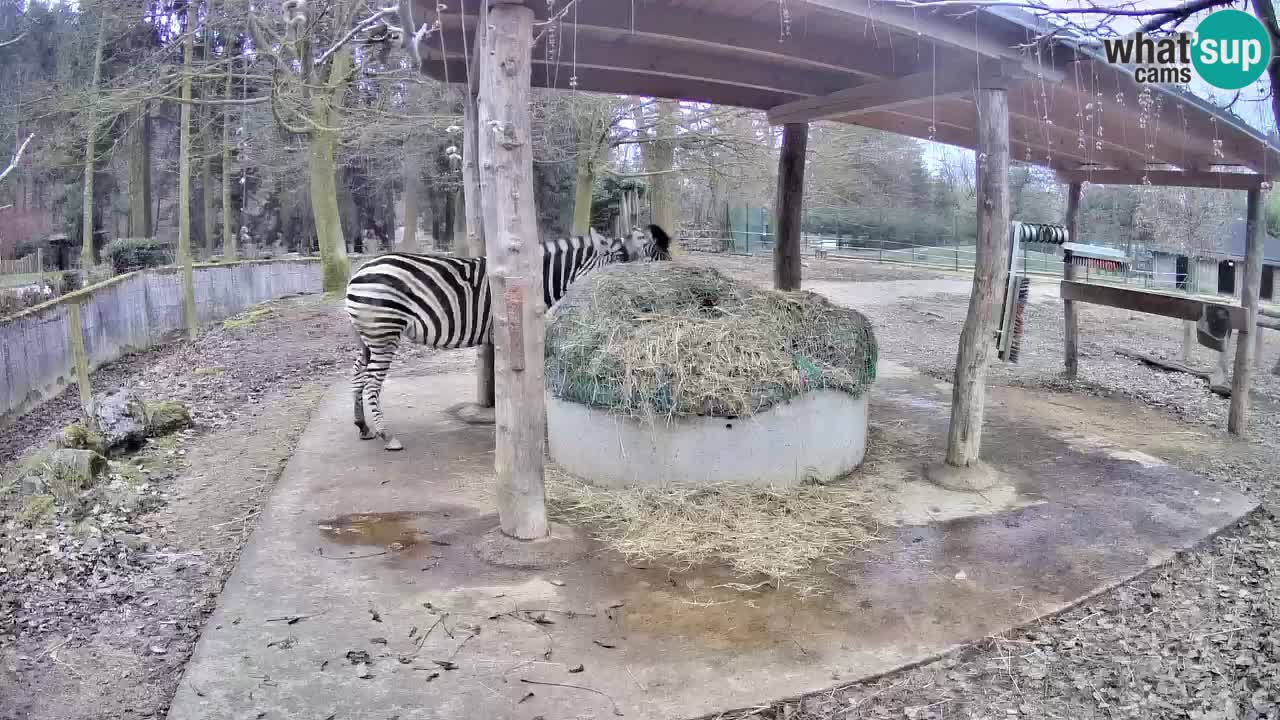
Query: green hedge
pixel 129 254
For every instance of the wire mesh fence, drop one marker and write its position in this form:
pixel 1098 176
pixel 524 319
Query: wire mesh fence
pixel 943 257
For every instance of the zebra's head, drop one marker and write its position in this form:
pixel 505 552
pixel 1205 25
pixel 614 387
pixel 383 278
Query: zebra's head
pixel 639 245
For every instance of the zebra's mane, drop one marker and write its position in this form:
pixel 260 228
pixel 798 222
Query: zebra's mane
pixel 567 244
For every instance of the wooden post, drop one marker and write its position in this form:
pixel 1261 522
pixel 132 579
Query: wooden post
pixel 787 206
pixel 1257 344
pixel 1238 420
pixel 968 396
pixel 514 267
pixel 75 334
pixel 1072 330
pixel 471 198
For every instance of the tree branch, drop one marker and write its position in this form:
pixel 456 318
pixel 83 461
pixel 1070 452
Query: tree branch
pixel 7 43
pixel 17 157
pixel 366 24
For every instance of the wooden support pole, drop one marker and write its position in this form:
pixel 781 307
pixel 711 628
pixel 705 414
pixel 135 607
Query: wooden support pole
pixel 75 335
pixel 1257 343
pixel 1238 419
pixel 515 268
pixel 475 245
pixel 968 396
pixel 788 206
pixel 1072 331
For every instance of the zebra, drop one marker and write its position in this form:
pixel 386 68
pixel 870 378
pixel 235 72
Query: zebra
pixel 444 302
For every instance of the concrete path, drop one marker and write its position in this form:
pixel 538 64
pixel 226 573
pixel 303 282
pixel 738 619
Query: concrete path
pixel 359 595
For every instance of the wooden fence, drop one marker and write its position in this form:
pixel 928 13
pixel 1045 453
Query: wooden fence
pixel 17 266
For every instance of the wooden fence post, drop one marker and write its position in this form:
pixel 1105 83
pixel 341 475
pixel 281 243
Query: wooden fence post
pixel 968 396
pixel 514 267
pixel 75 335
pixel 1242 379
pixel 1072 330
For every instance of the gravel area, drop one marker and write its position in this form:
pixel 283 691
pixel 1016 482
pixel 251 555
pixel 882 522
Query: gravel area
pixel 1198 638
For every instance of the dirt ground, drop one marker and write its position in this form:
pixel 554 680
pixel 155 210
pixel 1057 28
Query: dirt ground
pixel 98 622
pixel 99 615
pixel 1198 638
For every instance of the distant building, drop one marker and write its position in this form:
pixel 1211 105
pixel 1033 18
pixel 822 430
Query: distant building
pixel 1220 272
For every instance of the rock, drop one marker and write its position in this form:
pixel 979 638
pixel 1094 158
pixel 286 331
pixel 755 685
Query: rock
pixel 78 437
pixel 36 510
pixel 166 417
pixel 75 469
pixel 121 418
pixel 33 484
pixel 131 541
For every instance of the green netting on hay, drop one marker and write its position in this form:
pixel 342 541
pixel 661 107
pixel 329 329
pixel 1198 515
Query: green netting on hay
pixel 674 338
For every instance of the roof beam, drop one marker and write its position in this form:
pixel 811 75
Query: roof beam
pixel 1170 178
pixel 1030 127
pixel 685 28
pixel 944 30
pixel 618 82
pixel 959 133
pixel 873 97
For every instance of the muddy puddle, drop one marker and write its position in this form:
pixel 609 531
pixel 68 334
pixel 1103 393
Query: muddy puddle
pixel 408 529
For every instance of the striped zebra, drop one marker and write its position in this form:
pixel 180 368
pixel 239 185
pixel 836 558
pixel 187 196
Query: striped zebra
pixel 444 302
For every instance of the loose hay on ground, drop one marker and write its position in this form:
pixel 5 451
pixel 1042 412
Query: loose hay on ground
pixel 788 536
pixel 678 339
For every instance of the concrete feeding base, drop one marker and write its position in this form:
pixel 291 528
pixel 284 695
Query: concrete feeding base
pixel 399 616
pixel 820 436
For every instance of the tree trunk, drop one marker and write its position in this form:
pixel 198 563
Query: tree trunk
pixel 184 179
pixel 459 226
pixel 335 266
pixel 229 231
pixel 449 212
pixel 788 206
pixel 206 200
pixel 324 208
pixel 412 188
pixel 515 270
pixel 1255 224
pixel 435 222
pixel 582 189
pixel 968 397
pixel 140 176
pixel 662 187
pixel 1072 330
pixel 90 152
pixel 471 197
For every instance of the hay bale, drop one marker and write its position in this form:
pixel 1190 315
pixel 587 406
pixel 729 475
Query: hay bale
pixel 678 339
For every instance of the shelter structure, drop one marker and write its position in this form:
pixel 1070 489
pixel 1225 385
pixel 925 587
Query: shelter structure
pixel 1216 268
pixel 991 79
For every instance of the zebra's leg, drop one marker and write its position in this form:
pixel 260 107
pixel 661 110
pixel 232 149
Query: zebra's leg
pixel 379 363
pixel 358 379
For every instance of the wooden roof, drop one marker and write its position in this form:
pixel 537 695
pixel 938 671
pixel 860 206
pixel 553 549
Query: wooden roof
pixel 876 64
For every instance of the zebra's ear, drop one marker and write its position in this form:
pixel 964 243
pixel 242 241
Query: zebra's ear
pixel 598 241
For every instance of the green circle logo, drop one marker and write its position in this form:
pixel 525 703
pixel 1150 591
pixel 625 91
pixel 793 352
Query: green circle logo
pixel 1232 49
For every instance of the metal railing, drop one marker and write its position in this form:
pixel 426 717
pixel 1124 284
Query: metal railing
pixel 942 257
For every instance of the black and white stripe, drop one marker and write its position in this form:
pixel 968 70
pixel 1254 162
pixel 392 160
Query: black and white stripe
pixel 444 302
